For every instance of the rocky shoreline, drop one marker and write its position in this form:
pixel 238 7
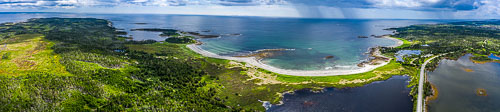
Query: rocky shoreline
pixel 265 53
pixel 375 58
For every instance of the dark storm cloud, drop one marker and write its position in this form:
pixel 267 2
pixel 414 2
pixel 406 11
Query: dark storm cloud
pixel 405 4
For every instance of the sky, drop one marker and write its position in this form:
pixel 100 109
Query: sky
pixel 352 9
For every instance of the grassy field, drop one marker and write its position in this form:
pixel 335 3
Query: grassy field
pixel 22 54
pixel 381 73
pixel 406 43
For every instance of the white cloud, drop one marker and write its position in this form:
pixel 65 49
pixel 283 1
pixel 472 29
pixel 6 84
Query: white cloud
pixel 402 3
pixel 490 7
pixel 139 1
pixel 487 9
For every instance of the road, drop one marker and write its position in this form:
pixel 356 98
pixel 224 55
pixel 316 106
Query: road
pixel 420 96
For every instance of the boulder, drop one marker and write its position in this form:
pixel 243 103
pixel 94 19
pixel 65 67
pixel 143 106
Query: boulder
pixel 329 57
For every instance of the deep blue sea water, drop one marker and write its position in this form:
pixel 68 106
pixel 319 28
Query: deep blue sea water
pixel 312 39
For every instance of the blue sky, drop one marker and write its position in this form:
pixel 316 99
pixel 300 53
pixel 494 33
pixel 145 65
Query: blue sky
pixel 392 9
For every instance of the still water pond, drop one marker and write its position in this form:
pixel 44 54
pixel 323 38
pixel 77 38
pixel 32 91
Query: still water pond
pixel 457 83
pixel 381 96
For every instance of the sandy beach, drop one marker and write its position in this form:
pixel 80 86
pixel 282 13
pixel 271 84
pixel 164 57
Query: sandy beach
pixel 253 61
pixel 398 42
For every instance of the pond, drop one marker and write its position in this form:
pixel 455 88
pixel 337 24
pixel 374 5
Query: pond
pixel 381 96
pixel 458 83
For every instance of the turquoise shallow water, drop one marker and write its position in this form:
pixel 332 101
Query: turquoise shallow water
pixel 312 39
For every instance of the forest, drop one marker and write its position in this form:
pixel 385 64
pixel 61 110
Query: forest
pixel 100 72
pixel 480 38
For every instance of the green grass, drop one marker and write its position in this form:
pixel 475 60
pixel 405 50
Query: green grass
pixel 20 38
pixel 406 43
pixel 27 54
pixel 387 71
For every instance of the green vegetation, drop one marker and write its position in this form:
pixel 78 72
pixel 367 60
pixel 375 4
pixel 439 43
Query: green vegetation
pixel 71 64
pixel 27 53
pixel 181 40
pixel 169 33
pixel 406 43
pixel 75 64
pixel 6 56
pixel 476 37
pixel 165 32
pixel 380 73
pixel 427 89
pixel 81 65
pixel 480 38
pixel 478 58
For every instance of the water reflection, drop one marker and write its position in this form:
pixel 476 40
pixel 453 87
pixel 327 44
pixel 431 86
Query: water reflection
pixel 382 96
pixel 457 83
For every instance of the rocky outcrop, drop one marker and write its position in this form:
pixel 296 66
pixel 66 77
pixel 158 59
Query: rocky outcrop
pixel 196 34
pixel 198 43
pixel 362 37
pixel 265 53
pixel 328 57
pixel 375 58
pixel 154 30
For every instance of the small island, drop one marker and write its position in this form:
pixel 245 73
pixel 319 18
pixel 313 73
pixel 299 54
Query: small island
pixel 199 35
pixel 165 32
pixel 481 92
pixel 362 36
pixel 141 23
pixel 328 57
pixel 467 69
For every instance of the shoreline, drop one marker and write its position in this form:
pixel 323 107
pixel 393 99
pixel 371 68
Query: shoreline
pixel 398 42
pixel 255 62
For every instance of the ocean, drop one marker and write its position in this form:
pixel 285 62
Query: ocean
pixel 311 39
